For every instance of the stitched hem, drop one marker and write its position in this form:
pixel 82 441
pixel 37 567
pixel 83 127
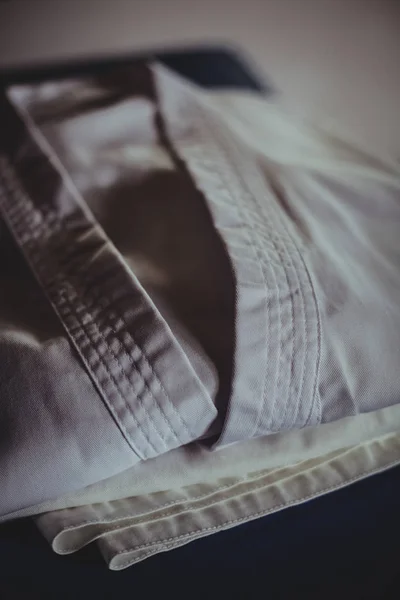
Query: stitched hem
pixel 284 387
pixel 94 294
pixel 202 532
pixel 299 404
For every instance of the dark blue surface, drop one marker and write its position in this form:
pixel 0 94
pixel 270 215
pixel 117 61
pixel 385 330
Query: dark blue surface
pixel 344 545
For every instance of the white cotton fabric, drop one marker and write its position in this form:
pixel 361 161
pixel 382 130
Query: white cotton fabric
pixel 309 224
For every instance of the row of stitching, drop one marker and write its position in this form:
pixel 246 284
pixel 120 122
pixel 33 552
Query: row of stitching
pixel 164 390
pixel 261 513
pixel 207 156
pixel 279 265
pixel 127 334
pixel 128 345
pixel 155 377
pixel 277 248
pixel 210 498
pixel 109 520
pixel 283 253
pixel 305 288
pixel 133 416
pixel 310 309
pixel 226 183
pixel 229 182
pixel 310 316
pixel 283 257
pixel 147 383
pixel 19 222
pixel 314 413
pixel 229 175
pixel 104 308
pixel 255 178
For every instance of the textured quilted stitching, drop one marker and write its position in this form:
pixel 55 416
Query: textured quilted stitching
pixel 94 318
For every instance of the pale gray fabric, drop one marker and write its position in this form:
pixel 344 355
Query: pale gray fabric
pixel 55 435
pixel 249 300
pixel 219 289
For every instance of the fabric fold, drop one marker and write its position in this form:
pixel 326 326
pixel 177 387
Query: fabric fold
pixel 274 393
pixel 277 330
pixel 133 529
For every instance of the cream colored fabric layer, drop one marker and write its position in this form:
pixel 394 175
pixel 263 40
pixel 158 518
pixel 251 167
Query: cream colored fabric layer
pixel 130 530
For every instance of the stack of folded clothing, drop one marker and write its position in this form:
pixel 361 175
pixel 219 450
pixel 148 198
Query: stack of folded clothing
pixel 199 310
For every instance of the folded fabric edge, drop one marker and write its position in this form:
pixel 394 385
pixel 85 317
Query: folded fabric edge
pixel 364 461
pixel 218 508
